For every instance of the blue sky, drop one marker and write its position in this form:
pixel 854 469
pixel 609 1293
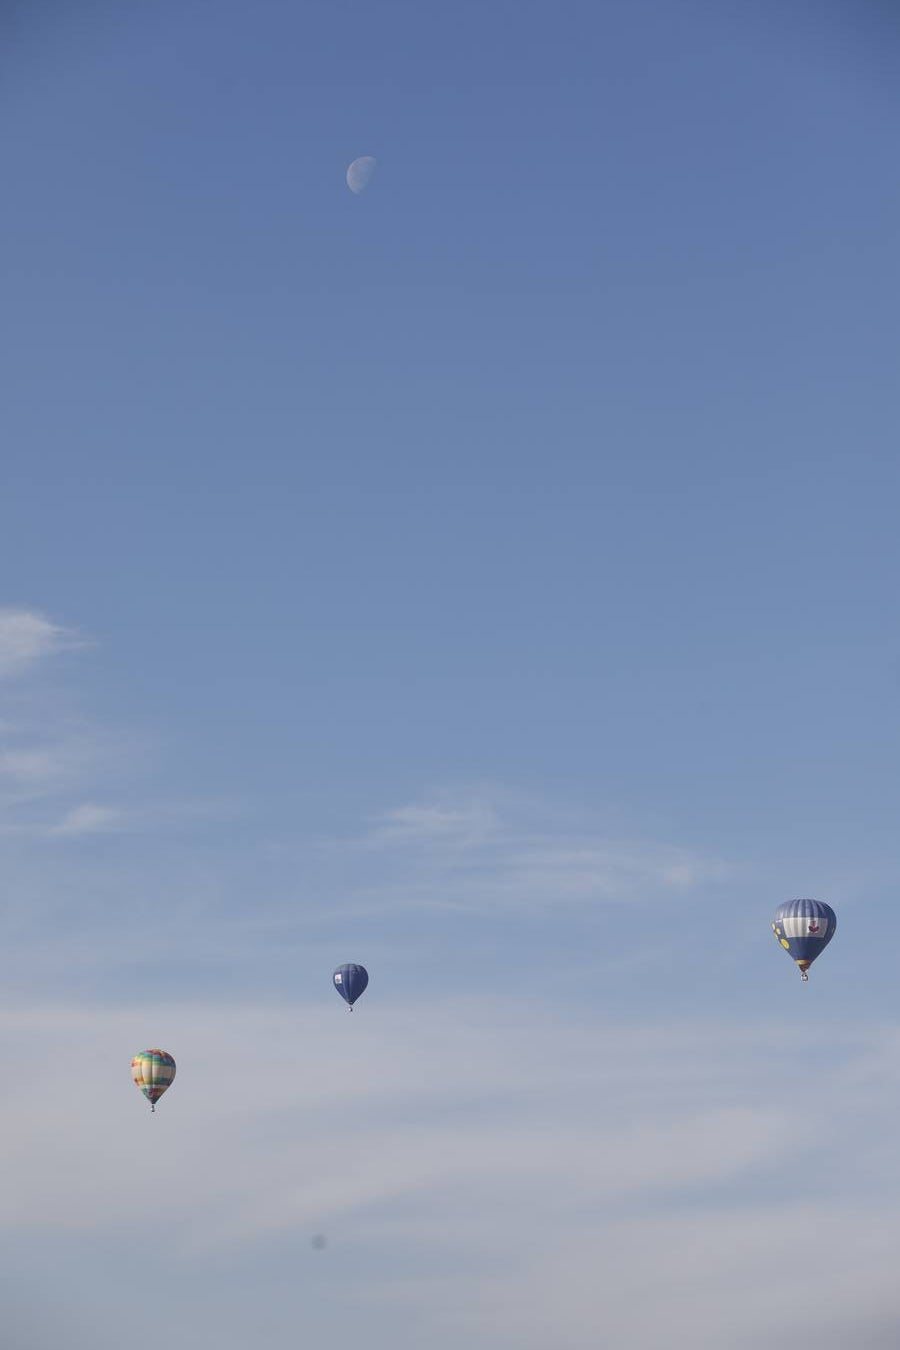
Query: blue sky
pixel 491 578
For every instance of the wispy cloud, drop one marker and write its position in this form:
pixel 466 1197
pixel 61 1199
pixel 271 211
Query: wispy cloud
pixel 52 759
pixel 43 750
pixel 27 636
pixel 31 766
pixel 479 850
pixel 34 764
pixel 463 824
pixel 86 819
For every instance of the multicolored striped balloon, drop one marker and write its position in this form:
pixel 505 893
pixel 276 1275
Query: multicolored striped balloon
pixel 804 929
pixel 153 1071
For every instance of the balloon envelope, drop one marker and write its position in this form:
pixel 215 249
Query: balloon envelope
pixel 804 929
pixel 153 1071
pixel 350 981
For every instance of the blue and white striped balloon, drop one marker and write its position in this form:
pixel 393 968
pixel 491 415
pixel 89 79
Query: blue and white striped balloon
pixel 804 929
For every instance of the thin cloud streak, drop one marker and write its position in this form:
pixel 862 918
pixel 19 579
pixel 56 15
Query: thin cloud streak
pixel 27 637
pixel 88 818
pixel 444 863
pixel 481 853
pixel 54 762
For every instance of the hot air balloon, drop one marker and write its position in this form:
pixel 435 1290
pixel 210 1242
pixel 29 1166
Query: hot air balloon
pixel 153 1071
pixel 804 928
pixel 350 981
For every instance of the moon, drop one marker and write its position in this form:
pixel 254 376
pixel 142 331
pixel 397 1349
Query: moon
pixel 359 174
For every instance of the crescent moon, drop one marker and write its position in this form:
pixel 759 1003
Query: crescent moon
pixel 359 174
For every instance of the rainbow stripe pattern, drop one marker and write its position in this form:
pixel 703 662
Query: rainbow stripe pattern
pixel 153 1071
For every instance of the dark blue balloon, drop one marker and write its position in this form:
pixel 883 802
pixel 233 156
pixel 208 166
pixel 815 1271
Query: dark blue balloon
pixel 804 929
pixel 350 981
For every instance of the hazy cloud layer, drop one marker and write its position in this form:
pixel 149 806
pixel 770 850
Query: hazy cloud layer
pixel 493 1177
